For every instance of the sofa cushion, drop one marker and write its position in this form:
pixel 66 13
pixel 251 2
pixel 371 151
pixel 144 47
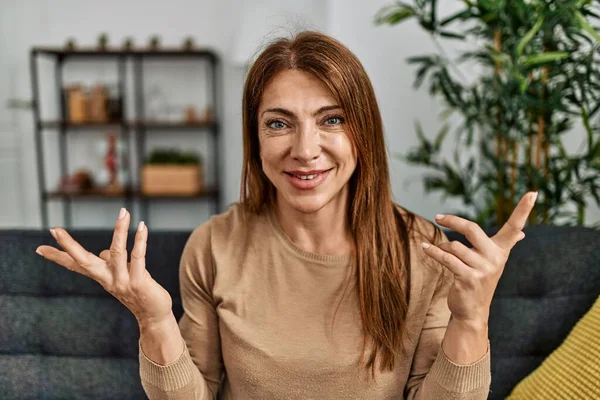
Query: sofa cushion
pixel 572 370
pixel 61 334
pixel 40 377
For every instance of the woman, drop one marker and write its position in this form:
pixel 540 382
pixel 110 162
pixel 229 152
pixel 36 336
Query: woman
pixel 316 285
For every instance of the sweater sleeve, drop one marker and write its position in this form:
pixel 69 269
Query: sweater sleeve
pixel 433 375
pixel 197 373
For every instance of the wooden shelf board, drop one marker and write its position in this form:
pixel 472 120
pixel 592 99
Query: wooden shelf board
pixel 208 193
pixel 87 194
pixel 173 125
pixel 116 52
pixel 136 194
pixel 151 125
pixel 86 125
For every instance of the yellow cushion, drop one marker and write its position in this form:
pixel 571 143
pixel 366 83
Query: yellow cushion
pixel 572 371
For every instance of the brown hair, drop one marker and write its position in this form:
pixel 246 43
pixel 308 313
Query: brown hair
pixel 382 249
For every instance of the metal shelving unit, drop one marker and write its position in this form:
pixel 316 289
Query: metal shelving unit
pixel 137 126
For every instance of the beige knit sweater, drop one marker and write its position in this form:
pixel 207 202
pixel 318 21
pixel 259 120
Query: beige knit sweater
pixel 259 324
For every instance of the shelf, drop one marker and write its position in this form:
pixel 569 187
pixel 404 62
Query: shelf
pixel 166 125
pixel 149 125
pixel 208 194
pixel 136 129
pixel 86 125
pixel 136 194
pixel 117 52
pixel 94 194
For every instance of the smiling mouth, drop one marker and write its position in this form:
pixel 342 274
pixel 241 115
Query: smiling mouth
pixel 308 175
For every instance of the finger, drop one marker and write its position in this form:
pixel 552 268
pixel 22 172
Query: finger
pixel 463 253
pixel 138 254
pixel 118 246
pixel 473 232
pixel 450 261
pixel 105 255
pixel 81 256
pixel 61 258
pixel 511 231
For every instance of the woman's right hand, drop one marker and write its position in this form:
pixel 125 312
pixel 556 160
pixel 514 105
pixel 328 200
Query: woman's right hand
pixel 130 283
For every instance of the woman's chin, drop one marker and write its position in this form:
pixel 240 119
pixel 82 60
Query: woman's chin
pixel 307 204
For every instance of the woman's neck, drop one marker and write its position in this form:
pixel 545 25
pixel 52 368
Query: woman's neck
pixel 323 232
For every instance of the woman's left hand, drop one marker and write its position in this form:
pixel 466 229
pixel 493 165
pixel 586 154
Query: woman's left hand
pixel 477 270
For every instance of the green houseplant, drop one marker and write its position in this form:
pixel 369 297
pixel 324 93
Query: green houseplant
pixel 541 77
pixel 173 156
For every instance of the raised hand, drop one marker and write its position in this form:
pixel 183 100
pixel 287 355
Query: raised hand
pixel 478 270
pixel 130 283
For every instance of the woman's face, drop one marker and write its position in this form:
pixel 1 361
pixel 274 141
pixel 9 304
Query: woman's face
pixel 304 148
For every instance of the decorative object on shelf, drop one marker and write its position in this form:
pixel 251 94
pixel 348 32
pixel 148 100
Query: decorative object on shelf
pixel 172 172
pixel 103 41
pixel 191 116
pixel 128 44
pixel 80 181
pixel 208 115
pixel 156 103
pixel 97 104
pixel 112 164
pixel 70 45
pixel 114 104
pixel 154 42
pixel 188 43
pixel 77 104
pixel 108 151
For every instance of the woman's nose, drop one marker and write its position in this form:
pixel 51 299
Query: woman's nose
pixel 306 145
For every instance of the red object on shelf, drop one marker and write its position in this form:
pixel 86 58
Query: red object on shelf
pixel 110 160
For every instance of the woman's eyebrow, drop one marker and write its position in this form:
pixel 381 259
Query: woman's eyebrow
pixel 290 114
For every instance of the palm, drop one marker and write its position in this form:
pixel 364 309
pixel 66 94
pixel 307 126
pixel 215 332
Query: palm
pixel 477 270
pixel 128 282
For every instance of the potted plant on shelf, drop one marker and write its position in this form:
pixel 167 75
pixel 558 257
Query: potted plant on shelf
pixel 540 77
pixel 172 172
pixel 103 42
pixel 154 43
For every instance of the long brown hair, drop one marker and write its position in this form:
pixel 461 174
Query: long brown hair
pixel 382 249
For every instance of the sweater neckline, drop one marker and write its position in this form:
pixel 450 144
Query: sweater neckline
pixel 320 258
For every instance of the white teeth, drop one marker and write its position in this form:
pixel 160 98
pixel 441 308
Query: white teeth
pixel 305 177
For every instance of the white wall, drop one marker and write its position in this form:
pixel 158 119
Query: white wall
pixel 217 24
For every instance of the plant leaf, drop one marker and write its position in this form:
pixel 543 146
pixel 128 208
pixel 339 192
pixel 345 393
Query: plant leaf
pixel 544 58
pixel 437 144
pixel 451 35
pixel 528 36
pixel 394 14
pixel 462 15
pixel 586 26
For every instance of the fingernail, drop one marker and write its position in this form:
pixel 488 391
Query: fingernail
pixel 53 233
pixel 439 216
pixel 141 226
pixel 39 252
pixel 425 245
pixel 122 213
pixel 534 197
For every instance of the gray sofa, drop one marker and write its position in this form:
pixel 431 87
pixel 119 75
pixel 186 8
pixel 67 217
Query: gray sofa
pixel 63 337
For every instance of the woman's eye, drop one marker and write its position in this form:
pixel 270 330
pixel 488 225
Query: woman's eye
pixel 276 125
pixel 334 121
